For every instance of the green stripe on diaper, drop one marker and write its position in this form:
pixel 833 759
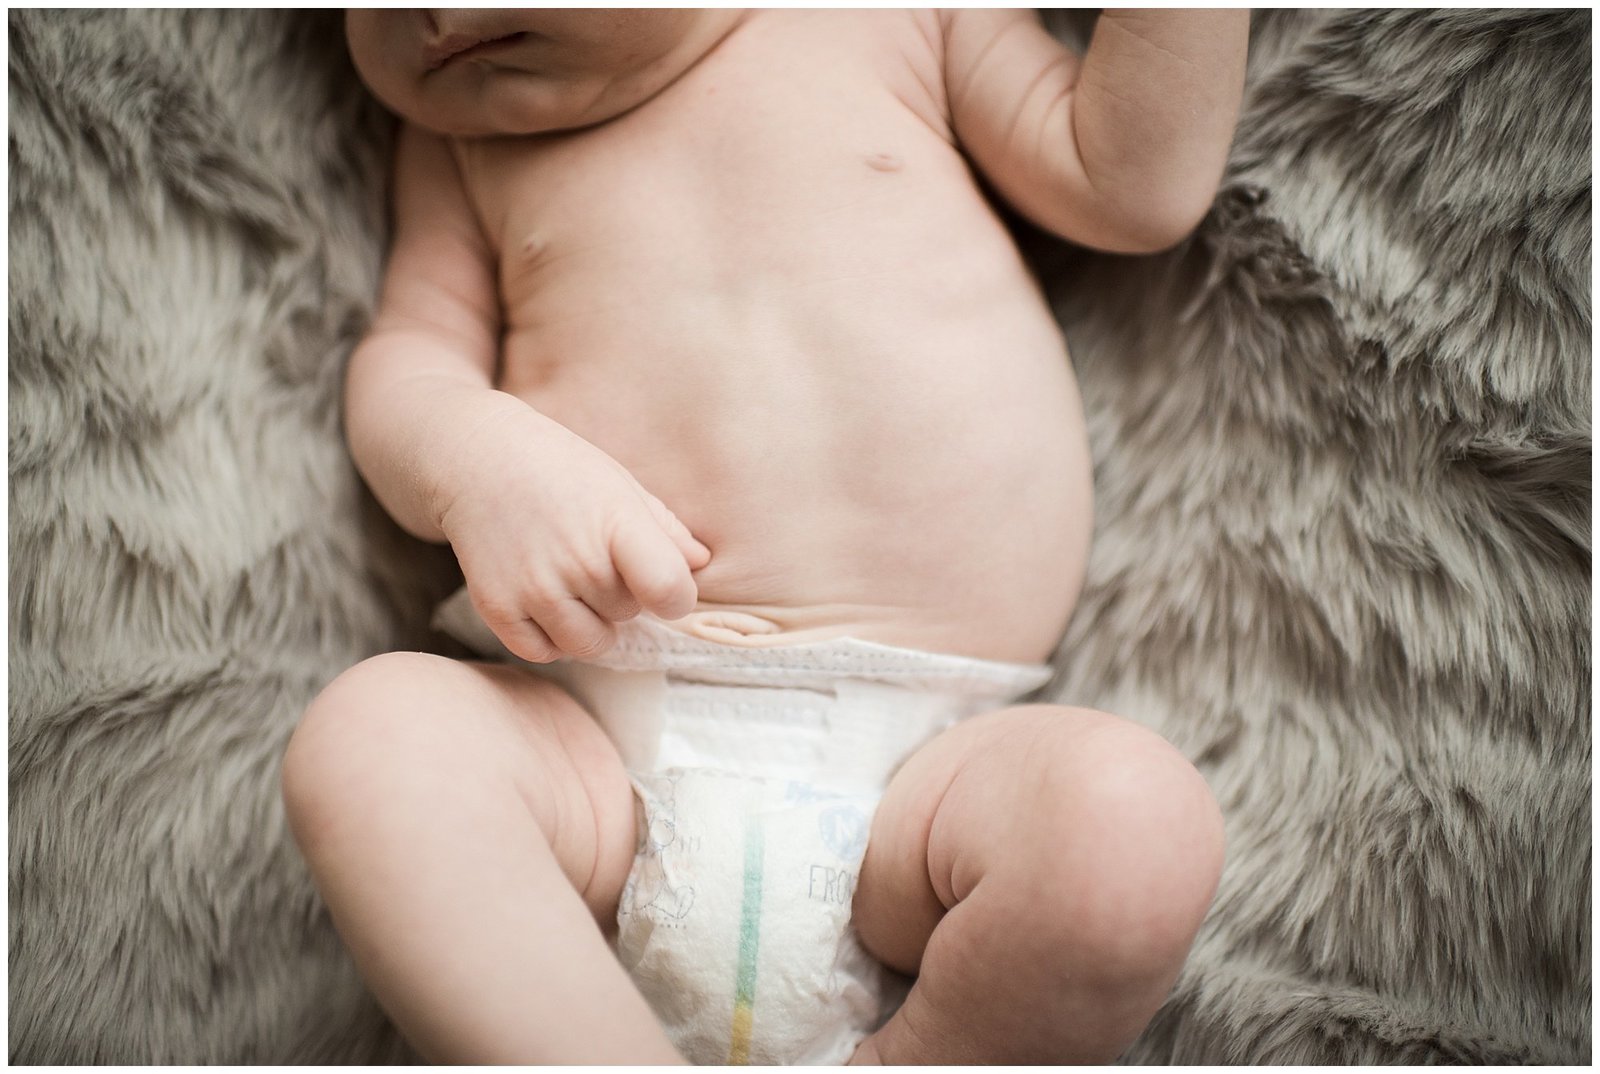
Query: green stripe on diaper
pixel 744 995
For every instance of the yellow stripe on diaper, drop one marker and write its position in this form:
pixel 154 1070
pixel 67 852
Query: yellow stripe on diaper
pixel 739 1053
pixel 744 996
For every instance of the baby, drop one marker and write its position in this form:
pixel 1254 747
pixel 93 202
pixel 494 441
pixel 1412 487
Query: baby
pixel 761 453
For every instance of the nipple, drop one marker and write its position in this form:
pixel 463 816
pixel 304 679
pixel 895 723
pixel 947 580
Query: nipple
pixel 532 247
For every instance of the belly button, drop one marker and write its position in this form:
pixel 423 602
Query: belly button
pixel 883 162
pixel 727 627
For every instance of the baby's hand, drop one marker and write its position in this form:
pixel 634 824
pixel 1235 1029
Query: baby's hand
pixel 558 541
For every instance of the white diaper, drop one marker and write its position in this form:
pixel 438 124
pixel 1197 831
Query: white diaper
pixel 757 772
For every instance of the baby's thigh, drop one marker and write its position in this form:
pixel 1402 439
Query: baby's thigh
pixel 472 739
pixel 1064 814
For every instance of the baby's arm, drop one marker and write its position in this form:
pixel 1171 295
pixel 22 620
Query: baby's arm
pixel 423 372
pixel 1121 151
pixel 556 539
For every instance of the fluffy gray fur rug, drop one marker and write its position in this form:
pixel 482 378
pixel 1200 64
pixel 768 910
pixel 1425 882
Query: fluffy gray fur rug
pixel 1343 443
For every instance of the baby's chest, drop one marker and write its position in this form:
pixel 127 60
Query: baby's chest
pixel 766 133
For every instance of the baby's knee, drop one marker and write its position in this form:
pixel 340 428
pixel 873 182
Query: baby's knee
pixel 346 727
pixel 1123 846
pixel 373 728
pixel 368 703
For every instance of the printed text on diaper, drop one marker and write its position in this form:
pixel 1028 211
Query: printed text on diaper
pixel 831 885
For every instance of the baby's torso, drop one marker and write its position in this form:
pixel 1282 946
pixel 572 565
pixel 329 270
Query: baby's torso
pixel 775 294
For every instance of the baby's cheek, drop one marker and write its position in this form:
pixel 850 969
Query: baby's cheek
pixel 376 49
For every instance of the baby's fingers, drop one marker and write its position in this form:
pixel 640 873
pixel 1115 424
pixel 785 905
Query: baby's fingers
pixel 608 595
pixel 575 628
pixel 695 554
pixel 654 570
pixel 520 634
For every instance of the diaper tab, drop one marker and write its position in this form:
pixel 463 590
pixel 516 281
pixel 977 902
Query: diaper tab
pixel 851 737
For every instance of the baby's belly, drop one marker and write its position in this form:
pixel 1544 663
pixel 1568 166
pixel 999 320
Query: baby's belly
pixel 919 498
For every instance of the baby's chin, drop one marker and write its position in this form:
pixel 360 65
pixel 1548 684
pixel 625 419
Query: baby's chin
pixel 531 72
pixel 475 100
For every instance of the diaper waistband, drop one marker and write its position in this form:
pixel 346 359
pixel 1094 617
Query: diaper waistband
pixel 647 644
pixel 840 713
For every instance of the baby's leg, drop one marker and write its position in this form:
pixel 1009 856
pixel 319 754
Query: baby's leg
pixel 468 824
pixel 1043 870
